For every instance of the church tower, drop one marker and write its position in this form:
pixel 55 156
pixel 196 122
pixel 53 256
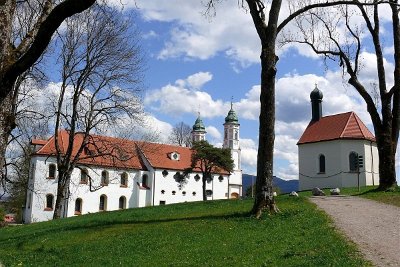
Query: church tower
pixel 231 137
pixel 199 131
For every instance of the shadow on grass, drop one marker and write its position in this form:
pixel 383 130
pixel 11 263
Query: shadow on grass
pixel 101 224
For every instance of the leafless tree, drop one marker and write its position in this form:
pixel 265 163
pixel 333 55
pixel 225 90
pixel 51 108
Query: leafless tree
pixel 26 28
pixel 99 56
pixel 266 21
pixel 181 135
pixel 339 35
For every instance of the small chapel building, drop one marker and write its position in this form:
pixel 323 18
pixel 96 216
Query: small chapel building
pixel 336 150
pixel 131 174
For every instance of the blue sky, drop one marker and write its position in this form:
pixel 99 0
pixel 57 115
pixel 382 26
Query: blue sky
pixel 198 64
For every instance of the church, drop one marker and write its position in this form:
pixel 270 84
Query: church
pixel 336 150
pixel 139 175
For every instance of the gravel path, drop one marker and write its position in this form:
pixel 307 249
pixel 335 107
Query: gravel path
pixel 373 226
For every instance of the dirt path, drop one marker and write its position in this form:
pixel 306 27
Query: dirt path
pixel 373 226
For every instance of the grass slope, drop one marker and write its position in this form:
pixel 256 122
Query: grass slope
pixel 370 192
pixel 213 233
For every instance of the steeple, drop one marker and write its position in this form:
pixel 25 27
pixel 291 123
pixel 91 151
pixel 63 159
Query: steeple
pixel 231 130
pixel 231 138
pixel 198 130
pixel 316 104
pixel 231 117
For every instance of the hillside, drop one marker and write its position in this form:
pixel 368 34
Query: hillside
pixel 213 233
pixel 286 186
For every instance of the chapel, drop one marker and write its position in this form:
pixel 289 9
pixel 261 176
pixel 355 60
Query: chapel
pixel 336 150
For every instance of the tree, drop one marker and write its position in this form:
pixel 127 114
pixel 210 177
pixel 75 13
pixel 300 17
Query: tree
pixel 21 45
pixel 209 159
pixel 98 58
pixel 336 36
pixel 268 28
pixel 181 135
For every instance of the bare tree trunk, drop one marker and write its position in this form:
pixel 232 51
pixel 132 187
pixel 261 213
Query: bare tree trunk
pixel 387 168
pixel 267 34
pixel 7 124
pixel 62 193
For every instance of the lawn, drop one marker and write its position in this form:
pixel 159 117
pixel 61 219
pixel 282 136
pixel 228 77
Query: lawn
pixel 213 233
pixel 370 192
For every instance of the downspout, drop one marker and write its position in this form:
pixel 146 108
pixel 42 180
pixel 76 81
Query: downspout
pixel 372 164
pixel 154 185
pixel 228 186
pixel 212 196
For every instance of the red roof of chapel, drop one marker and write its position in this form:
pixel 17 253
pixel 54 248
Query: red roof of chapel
pixel 340 126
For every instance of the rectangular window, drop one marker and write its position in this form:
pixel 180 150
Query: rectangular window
pixel 162 202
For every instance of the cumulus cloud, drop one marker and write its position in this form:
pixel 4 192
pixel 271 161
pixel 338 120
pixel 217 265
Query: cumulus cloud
pixel 248 155
pixel 214 133
pixel 177 99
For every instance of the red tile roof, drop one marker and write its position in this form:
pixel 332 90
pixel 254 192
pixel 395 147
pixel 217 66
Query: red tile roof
pixel 340 126
pixel 38 142
pixel 121 153
pixel 101 150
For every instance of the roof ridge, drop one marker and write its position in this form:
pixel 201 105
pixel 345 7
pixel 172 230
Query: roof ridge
pixel 358 124
pixel 347 123
pixel 362 126
pixel 141 153
pixel 45 145
pixel 338 114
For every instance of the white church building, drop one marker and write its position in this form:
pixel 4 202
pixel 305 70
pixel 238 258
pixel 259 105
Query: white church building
pixel 142 174
pixel 336 150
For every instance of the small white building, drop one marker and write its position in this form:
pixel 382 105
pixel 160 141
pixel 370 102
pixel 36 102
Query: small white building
pixel 336 150
pixel 136 174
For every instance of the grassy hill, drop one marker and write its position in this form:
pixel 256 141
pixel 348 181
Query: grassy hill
pixel 213 233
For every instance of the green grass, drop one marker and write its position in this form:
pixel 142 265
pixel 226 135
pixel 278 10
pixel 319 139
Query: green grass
pixel 370 192
pixel 213 233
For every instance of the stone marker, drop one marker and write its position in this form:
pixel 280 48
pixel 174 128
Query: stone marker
pixel 335 191
pixel 317 192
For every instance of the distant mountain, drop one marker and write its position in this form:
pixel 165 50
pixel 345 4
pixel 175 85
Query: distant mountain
pixel 286 186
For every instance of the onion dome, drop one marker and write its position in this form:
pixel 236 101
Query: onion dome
pixel 316 94
pixel 199 125
pixel 231 117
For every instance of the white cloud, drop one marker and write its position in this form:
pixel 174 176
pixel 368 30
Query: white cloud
pixel 213 132
pixel 149 35
pixel 248 155
pixel 197 80
pixel 179 99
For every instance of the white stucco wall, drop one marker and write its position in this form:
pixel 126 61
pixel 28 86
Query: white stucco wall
pixel 135 193
pixel 337 169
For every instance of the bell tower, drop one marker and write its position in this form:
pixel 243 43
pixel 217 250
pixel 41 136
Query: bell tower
pixel 198 130
pixel 231 137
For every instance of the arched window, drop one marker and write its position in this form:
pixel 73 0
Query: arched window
pixel 321 163
pixel 236 135
pixel 122 203
pixel 84 176
pixel 78 206
pixel 104 178
pixel 353 160
pixel 144 180
pixel 103 203
pixel 49 202
pixel 124 179
pixel 52 171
